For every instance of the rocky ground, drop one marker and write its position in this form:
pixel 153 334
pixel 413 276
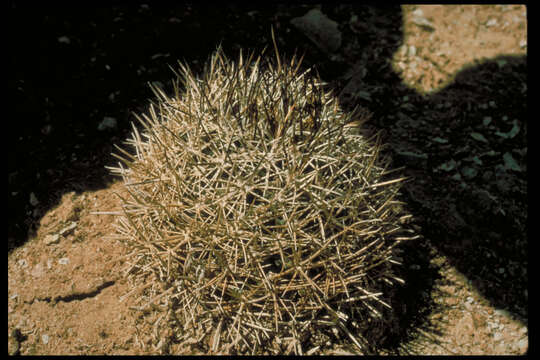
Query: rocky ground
pixel 447 86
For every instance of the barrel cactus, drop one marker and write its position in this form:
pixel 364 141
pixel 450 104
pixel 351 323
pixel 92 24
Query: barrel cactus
pixel 268 218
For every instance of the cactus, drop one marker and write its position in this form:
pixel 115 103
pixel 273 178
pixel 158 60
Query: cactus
pixel 260 207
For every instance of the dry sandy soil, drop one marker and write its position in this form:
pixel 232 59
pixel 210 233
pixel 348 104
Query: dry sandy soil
pixel 67 288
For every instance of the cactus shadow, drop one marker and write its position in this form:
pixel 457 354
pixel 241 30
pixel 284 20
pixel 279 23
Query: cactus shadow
pixel 468 195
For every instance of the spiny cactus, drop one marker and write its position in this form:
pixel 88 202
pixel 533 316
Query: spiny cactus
pixel 263 211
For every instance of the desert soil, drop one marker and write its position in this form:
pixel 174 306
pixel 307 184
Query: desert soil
pixel 446 85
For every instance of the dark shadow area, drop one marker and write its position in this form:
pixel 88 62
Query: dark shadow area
pixel 71 68
pixel 465 147
pixel 472 190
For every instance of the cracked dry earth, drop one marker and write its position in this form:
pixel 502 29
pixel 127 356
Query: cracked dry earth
pixel 63 298
pixel 67 289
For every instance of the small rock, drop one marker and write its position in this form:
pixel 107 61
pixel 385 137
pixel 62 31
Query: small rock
pixel 107 123
pixel 22 263
pixel 45 339
pixel 491 22
pixel 33 199
pixel 440 140
pixel 319 29
pixel 478 137
pixel 418 12
pixel 46 130
pixel 510 163
pixel 412 51
pixel 423 23
pixel 51 239
pixel 469 172
pixel 497 336
pixel 64 40
pixel 63 261
pixel 448 166
pixel 502 312
pixel 413 155
pixel 68 228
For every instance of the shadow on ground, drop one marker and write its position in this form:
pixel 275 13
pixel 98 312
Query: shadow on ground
pixel 73 67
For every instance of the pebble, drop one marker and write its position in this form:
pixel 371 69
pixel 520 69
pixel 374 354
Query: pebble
pixel 46 130
pixel 63 261
pixel 523 345
pixel 45 338
pixel 502 312
pixel 423 22
pixel 68 228
pixel 107 123
pixel 491 22
pixel 64 40
pixel 22 263
pixel 51 239
pixel 418 12
pixel 320 29
pixel 33 199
